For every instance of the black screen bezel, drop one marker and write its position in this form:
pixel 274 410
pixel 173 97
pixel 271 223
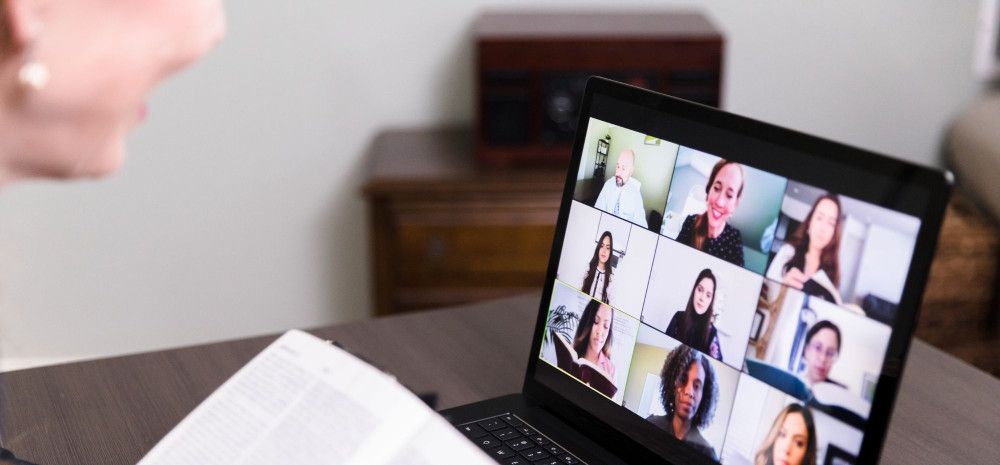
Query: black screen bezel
pixel 878 179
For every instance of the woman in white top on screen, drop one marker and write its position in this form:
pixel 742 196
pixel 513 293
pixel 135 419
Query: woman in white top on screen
pixel 810 259
pixel 597 280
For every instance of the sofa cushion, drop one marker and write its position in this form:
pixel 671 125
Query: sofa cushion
pixel 972 150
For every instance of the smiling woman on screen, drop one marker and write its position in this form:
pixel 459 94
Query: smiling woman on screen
pixel 710 232
pixel 75 74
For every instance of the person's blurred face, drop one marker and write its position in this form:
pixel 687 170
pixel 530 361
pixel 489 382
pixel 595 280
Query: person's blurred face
pixel 599 329
pixel 823 223
pixel 821 352
pixel 792 441
pixel 703 293
pixel 689 389
pixel 624 167
pixel 104 58
pixel 723 195
pixel 604 251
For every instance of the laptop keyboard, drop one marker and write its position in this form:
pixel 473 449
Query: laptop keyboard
pixel 511 441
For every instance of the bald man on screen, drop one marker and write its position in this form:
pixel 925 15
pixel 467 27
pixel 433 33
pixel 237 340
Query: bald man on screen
pixel 620 195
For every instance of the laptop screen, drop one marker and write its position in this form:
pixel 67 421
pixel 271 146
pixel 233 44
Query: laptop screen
pixel 737 296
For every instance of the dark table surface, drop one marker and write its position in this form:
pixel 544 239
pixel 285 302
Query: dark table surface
pixel 112 411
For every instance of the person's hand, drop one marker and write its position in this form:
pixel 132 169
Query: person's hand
pixel 794 278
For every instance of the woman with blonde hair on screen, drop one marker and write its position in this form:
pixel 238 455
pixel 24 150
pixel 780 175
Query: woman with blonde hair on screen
pixel 74 77
pixel 791 440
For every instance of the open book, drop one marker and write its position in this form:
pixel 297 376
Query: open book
pixel 305 401
pixel 821 286
pixel 581 368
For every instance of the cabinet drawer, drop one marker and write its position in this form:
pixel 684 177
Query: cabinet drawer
pixel 473 254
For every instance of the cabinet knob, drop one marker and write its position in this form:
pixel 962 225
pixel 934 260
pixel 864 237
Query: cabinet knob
pixel 436 249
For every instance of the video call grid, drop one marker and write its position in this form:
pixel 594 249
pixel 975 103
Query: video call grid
pixel 766 281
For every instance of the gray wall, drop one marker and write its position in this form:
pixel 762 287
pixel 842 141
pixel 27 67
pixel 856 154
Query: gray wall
pixel 239 213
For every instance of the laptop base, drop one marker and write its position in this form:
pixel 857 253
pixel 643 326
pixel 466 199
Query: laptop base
pixel 535 415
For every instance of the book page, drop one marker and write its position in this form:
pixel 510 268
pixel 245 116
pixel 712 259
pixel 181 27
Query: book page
pixel 303 400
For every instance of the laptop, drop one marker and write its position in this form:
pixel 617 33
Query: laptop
pixel 720 290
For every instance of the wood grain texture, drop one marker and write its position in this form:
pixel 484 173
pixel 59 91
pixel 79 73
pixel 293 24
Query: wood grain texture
pixel 959 309
pixel 113 411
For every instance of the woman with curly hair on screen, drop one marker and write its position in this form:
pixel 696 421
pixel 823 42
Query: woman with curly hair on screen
pixel 791 440
pixel 689 391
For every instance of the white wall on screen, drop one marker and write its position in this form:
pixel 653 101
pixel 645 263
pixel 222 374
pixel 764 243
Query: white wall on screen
pixel 579 244
pixel 625 329
pixel 885 260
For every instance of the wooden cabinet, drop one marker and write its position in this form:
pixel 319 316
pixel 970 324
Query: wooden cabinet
pixel 532 67
pixel 446 231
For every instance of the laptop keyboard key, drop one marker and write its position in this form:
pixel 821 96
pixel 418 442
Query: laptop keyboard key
pixel 554 450
pixel 502 452
pixel 568 459
pixel 547 461
pixel 492 424
pixel 505 434
pixel 515 461
pixel 525 430
pixel 487 442
pixel 520 444
pixel 511 420
pixel 534 454
pixel 472 431
pixel 539 439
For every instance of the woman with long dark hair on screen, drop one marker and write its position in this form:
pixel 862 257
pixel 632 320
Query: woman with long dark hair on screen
pixel 791 440
pixel 810 259
pixel 597 279
pixel 710 231
pixel 688 390
pixel 594 336
pixel 694 326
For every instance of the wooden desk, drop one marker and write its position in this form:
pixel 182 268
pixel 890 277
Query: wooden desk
pixel 112 411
